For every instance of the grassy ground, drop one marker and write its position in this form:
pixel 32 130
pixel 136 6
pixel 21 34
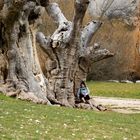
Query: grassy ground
pixel 20 120
pixel 110 89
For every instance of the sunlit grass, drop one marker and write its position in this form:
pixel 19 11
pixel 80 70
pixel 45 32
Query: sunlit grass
pixel 114 89
pixel 20 120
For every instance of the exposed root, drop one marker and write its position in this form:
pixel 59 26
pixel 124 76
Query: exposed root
pixel 29 96
pixel 52 99
pixel 83 106
pixel 65 103
pixel 11 94
pixel 91 105
pixel 10 91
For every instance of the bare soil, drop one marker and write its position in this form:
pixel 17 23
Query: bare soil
pixel 121 105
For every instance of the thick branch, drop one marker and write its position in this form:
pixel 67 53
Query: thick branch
pixel 62 33
pixel 45 43
pixel 88 32
pixel 93 54
pixel 100 55
pixel 42 40
pixel 55 12
pixel 80 9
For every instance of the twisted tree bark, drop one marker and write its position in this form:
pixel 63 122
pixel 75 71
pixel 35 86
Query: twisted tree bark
pixel 68 49
pixel 24 77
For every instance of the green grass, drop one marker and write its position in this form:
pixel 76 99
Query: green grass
pixel 110 89
pixel 20 120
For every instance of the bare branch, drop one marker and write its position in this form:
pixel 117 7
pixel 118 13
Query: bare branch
pixel 94 54
pixel 88 32
pixel 55 12
pixel 42 40
pixel 62 33
pixel 45 43
pixel 80 9
pixel 100 55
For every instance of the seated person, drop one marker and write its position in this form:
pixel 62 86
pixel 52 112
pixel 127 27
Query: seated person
pixel 83 92
pixel 83 95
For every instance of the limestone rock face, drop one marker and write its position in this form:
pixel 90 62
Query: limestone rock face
pixel 122 36
pixel 124 41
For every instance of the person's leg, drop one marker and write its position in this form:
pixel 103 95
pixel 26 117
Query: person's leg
pixel 87 98
pixel 94 105
pixel 81 96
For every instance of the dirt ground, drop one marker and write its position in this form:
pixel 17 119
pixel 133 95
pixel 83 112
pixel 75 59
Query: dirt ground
pixel 121 105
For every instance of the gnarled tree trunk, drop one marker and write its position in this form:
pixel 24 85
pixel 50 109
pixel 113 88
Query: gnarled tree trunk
pixel 24 77
pixel 68 50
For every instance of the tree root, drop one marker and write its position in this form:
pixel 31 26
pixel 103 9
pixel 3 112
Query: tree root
pixel 52 99
pixel 21 94
pixel 90 105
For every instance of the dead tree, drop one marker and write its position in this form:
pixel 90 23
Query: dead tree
pixel 68 49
